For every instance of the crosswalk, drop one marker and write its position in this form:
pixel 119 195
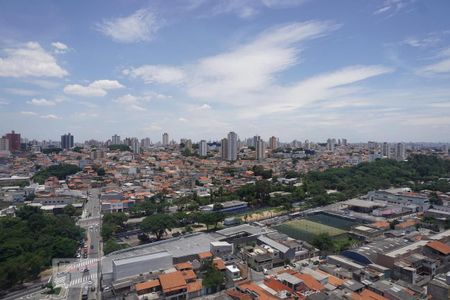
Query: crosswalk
pixel 74 279
pixel 78 265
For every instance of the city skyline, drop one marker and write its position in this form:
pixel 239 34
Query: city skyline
pixel 199 69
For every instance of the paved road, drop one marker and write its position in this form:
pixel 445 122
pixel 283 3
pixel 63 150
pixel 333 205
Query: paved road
pixel 74 294
pixel 75 277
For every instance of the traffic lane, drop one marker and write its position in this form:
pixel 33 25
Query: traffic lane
pixel 74 293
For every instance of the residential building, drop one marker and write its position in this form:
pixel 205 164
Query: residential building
pixel 260 149
pixel 224 149
pixel 13 141
pixel 232 146
pixel 273 143
pixel 4 144
pixel 115 140
pixel 203 148
pixel 400 152
pixel 165 139
pixel 386 150
pixel 67 141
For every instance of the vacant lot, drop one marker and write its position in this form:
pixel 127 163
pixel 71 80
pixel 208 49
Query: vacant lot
pixel 307 230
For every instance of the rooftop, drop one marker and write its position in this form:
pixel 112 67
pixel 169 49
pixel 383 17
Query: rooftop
pixel 172 281
pixel 439 246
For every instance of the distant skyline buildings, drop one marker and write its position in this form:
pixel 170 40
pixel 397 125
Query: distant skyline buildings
pixel 67 141
pixel 232 140
pixel 165 139
pixel 115 140
pixel 203 148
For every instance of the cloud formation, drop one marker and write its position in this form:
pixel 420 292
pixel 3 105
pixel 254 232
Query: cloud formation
pixel 41 102
pixel 98 88
pixel 30 60
pixel 138 27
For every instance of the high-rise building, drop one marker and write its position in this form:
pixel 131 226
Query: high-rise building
pixel 232 146
pixel 400 151
pixel 115 140
pixel 188 144
pixel 165 139
pixel 67 141
pixel 307 145
pixel 344 142
pixel 330 144
pixel 135 145
pixel 255 140
pixel 386 150
pixel 273 143
pixel 224 149
pixel 4 144
pixel 13 141
pixel 203 148
pixel 145 143
pixel 260 149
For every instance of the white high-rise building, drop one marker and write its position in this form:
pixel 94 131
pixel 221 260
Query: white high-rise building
pixel 344 142
pixel 115 140
pixel 165 139
pixel 145 143
pixel 203 148
pixel 400 151
pixel 330 144
pixel 4 144
pixel 232 146
pixel 135 145
pixel 260 149
pixel 386 150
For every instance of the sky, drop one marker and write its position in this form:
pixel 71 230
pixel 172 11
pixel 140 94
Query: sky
pixel 296 69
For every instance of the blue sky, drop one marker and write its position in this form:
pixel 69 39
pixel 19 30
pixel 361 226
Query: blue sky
pixel 296 69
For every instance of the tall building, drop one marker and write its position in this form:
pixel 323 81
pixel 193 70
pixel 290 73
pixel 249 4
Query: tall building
pixel 386 150
pixel 330 145
pixel 165 139
pixel 188 144
pixel 224 149
pixel 260 149
pixel 232 146
pixel 255 140
pixel 273 143
pixel 344 142
pixel 307 145
pixel 13 141
pixel 67 141
pixel 4 144
pixel 400 151
pixel 145 143
pixel 203 148
pixel 135 145
pixel 115 140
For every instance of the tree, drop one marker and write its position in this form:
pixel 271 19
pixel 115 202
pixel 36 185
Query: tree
pixel 158 224
pixel 112 245
pixel 213 278
pixel 323 242
pixel 69 210
pixel 210 218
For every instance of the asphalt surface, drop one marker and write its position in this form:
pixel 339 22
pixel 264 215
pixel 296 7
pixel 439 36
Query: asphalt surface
pixel 77 277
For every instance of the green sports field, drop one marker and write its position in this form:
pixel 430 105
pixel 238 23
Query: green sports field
pixel 307 230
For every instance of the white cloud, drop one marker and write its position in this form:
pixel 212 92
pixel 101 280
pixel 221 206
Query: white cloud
pixel 131 102
pixel 28 113
pixel 3 102
pixel 138 27
pixel 156 74
pixel 440 67
pixel 245 78
pixel 182 120
pixel 41 102
pixel 31 60
pixel 98 88
pixel 392 7
pixel 60 47
pixel 50 117
pixel 20 92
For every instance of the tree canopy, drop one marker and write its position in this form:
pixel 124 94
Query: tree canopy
pixel 61 171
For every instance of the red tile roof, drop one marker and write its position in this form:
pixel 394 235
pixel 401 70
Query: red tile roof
pixel 440 247
pixel 172 281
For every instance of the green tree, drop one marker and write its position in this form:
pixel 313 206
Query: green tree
pixel 69 210
pixel 323 242
pixel 158 224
